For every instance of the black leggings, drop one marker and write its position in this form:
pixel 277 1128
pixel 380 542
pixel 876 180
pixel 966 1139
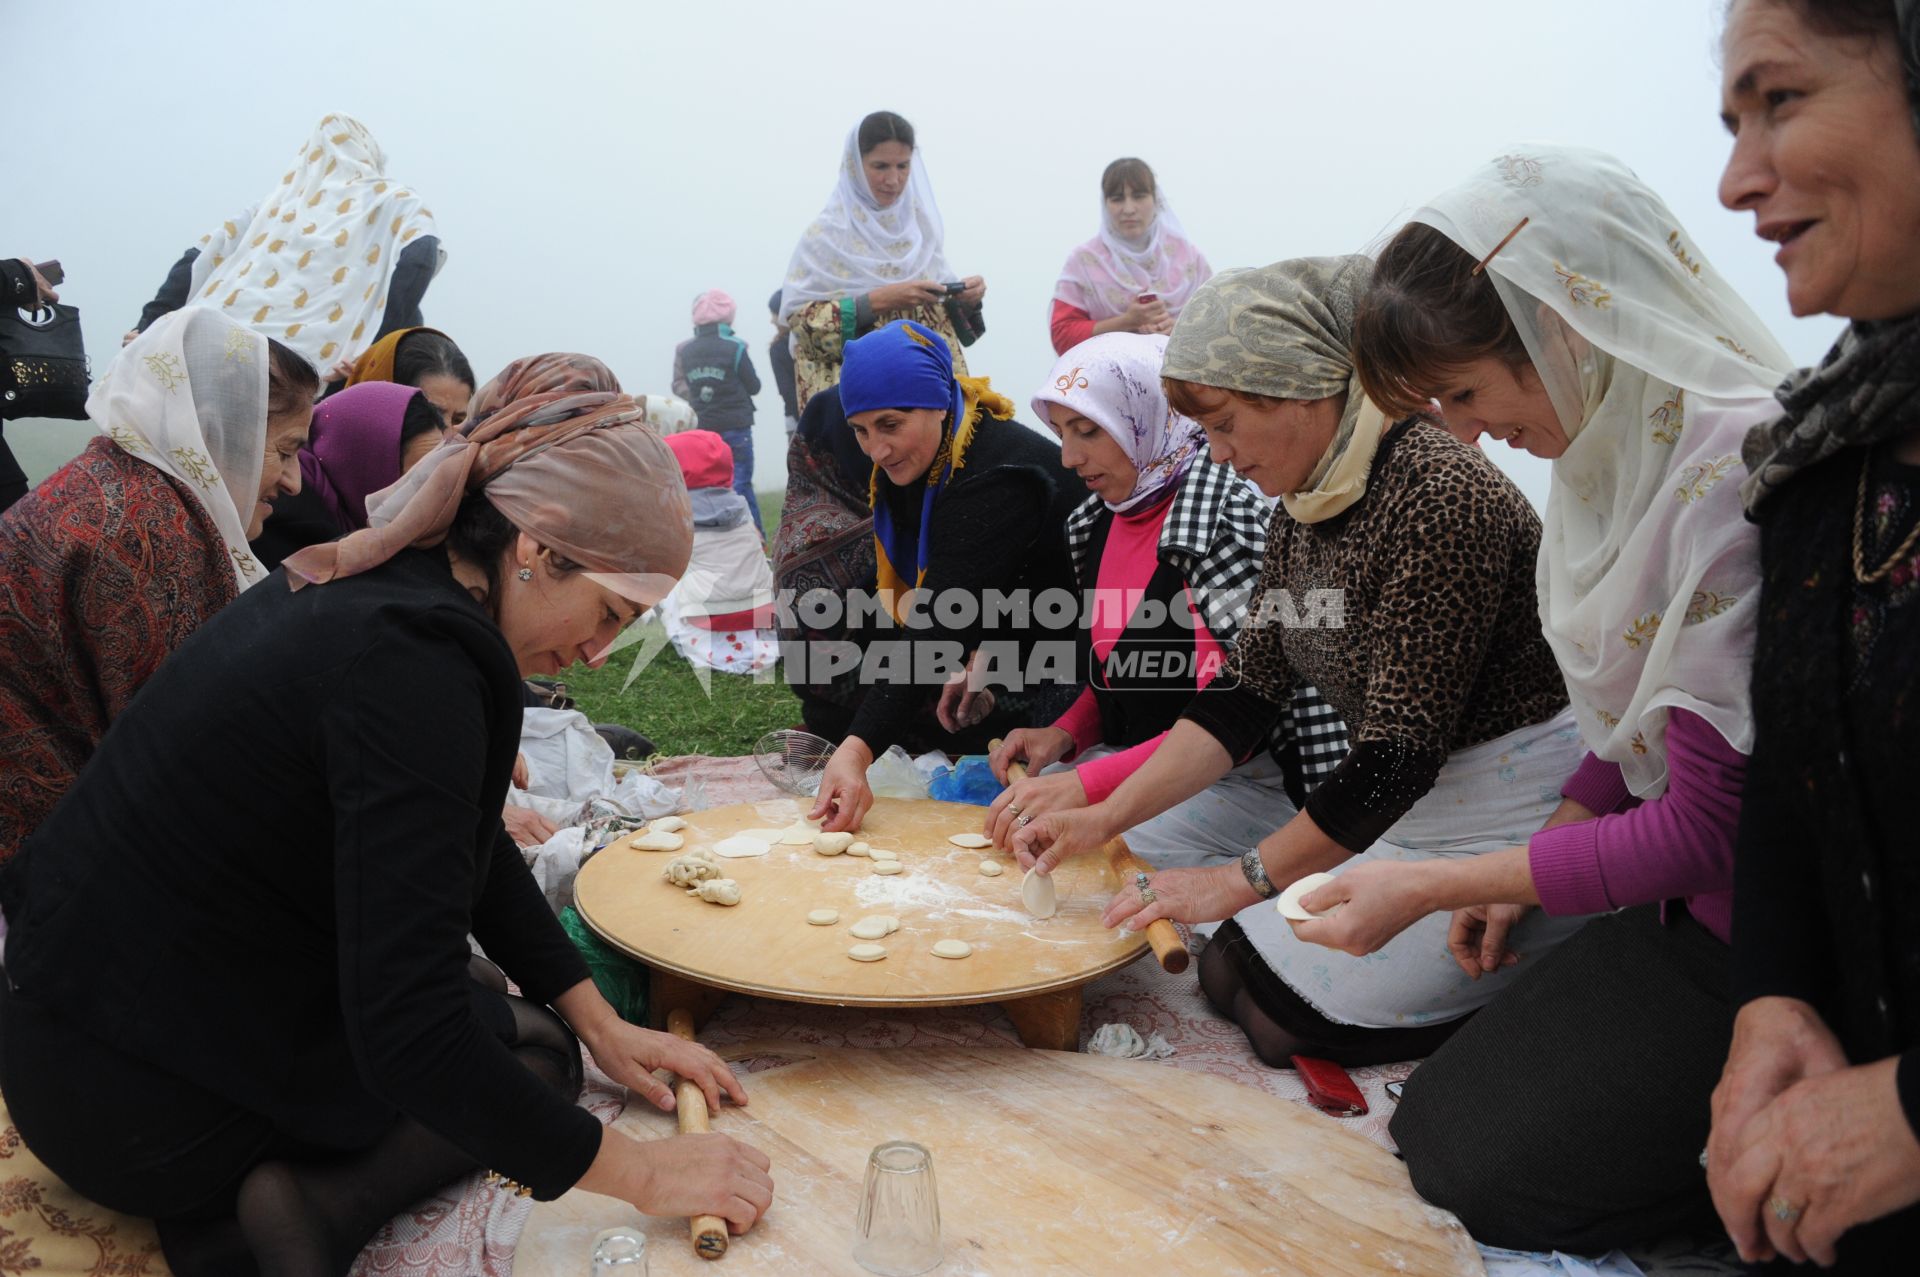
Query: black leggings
pixel 192 1161
pixel 1281 1024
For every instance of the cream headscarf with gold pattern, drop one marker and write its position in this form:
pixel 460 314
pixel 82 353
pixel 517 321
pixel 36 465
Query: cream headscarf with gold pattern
pixel 308 265
pixel 1286 331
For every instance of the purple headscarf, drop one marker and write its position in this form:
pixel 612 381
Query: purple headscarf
pixel 353 448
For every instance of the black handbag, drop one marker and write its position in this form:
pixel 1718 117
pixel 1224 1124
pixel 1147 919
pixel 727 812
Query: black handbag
pixel 43 362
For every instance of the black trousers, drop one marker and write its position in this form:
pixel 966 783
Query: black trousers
pixel 1569 1114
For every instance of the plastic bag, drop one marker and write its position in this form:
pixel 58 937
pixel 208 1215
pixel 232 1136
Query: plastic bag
pixel 893 775
pixel 969 781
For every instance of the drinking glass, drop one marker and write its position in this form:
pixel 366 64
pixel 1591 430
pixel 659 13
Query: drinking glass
pixel 898 1234
pixel 620 1252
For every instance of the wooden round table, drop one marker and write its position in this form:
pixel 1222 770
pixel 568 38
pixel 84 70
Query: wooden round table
pixel 699 952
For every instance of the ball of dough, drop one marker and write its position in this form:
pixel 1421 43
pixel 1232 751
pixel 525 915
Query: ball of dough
pixel 951 948
pixel 874 927
pixel 717 891
pixel 832 844
pixel 694 867
pixel 990 869
pixel 888 867
pixel 881 853
pixel 823 917
pixel 858 849
pixel 667 825
pixel 867 952
pixel 972 841
pixel 663 840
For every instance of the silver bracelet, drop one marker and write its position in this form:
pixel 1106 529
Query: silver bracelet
pixel 1256 873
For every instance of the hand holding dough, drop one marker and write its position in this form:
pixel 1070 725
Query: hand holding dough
pixel 1289 903
pixel 717 891
pixel 688 870
pixel 657 840
pixel 1037 894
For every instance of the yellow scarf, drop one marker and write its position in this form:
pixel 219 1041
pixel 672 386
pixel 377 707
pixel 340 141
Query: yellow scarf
pixel 1341 477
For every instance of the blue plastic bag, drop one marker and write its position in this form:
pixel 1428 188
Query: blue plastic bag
pixel 969 781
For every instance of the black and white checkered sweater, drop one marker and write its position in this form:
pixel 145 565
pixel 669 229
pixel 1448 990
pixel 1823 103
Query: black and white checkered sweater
pixel 1215 535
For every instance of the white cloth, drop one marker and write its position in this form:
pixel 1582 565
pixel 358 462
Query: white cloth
pixel 1104 275
pixel 728 573
pixel 1488 797
pixel 855 246
pixel 669 414
pixel 189 398
pixel 1113 380
pixel 1649 575
pixel 308 265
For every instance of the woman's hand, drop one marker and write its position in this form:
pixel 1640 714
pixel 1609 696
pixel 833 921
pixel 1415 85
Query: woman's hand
pixel 1835 1150
pixel 1376 901
pixel 522 773
pixel 1028 800
pixel 527 827
pixel 1060 835
pixel 43 290
pixel 961 707
pixel 1146 317
pixel 976 289
pixel 1777 1043
pixel 629 1054
pixel 1184 895
pixel 844 795
pixel 1037 747
pixel 684 1175
pixel 891 299
pixel 1477 937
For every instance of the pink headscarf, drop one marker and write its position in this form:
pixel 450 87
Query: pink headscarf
pixel 565 457
pixel 1104 275
pixel 712 307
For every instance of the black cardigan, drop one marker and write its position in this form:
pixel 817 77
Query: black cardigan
pixel 264 880
pixel 1000 525
pixel 1827 860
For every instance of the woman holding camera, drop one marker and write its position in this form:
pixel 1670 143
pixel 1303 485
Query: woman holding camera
pixel 1136 274
pixel 874 254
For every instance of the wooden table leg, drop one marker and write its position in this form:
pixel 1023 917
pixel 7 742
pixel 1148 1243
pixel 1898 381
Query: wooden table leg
pixel 1047 1021
pixel 667 992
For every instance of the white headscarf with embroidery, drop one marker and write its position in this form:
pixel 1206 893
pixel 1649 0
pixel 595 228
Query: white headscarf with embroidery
pixel 309 264
pixel 189 398
pixel 854 245
pixel 1649 576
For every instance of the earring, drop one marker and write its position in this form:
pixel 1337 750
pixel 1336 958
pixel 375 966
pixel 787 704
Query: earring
pixel 526 574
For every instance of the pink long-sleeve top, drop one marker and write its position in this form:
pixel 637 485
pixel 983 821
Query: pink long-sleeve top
pixel 1676 846
pixel 1127 564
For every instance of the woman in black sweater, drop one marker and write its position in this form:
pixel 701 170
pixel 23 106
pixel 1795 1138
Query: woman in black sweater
pixel 969 508
pixel 249 922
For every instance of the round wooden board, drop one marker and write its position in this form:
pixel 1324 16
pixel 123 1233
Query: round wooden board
pixel 1046 1163
pixel 764 945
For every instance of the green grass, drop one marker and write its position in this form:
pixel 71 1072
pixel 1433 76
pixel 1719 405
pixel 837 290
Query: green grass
pixel 667 703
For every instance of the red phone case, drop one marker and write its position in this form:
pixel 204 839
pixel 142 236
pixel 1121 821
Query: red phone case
pixel 1329 1089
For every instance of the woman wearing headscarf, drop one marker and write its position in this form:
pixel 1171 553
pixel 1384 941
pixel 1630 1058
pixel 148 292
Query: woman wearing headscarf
pixel 713 371
pixel 333 257
pixel 1598 336
pixel 1398 581
pixel 301 1052
pixel 123 552
pixel 362 440
pixel 1168 545
pixel 875 253
pixel 1815 1153
pixel 1136 275
pixel 968 507
pixel 426 358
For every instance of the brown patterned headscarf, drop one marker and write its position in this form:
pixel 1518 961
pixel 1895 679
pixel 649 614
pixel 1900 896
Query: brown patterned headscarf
pixel 565 456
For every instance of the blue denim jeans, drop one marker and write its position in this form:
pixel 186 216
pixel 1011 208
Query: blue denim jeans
pixel 741 442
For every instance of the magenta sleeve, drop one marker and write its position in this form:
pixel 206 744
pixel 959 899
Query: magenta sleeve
pixel 1597 785
pixel 1102 776
pixel 1081 721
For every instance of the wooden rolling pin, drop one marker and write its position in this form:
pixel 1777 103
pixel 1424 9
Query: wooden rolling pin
pixel 1162 936
pixel 709 1232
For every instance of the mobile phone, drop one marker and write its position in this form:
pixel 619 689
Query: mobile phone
pixel 51 272
pixel 1393 1090
pixel 956 287
pixel 1147 299
pixel 1330 1088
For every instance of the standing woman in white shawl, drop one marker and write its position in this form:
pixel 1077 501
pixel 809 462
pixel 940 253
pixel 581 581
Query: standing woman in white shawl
pixel 1134 276
pixel 1553 301
pixel 333 257
pixel 876 253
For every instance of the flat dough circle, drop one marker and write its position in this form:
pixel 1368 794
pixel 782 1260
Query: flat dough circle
pixel 951 948
pixel 739 847
pixel 991 869
pixel 867 952
pixel 798 834
pixel 874 927
pixel 1289 904
pixel 888 867
pixel 651 841
pixel 768 836
pixel 823 917
pixel 971 841
pixel 1037 894
pixel 667 825
pixel 881 853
